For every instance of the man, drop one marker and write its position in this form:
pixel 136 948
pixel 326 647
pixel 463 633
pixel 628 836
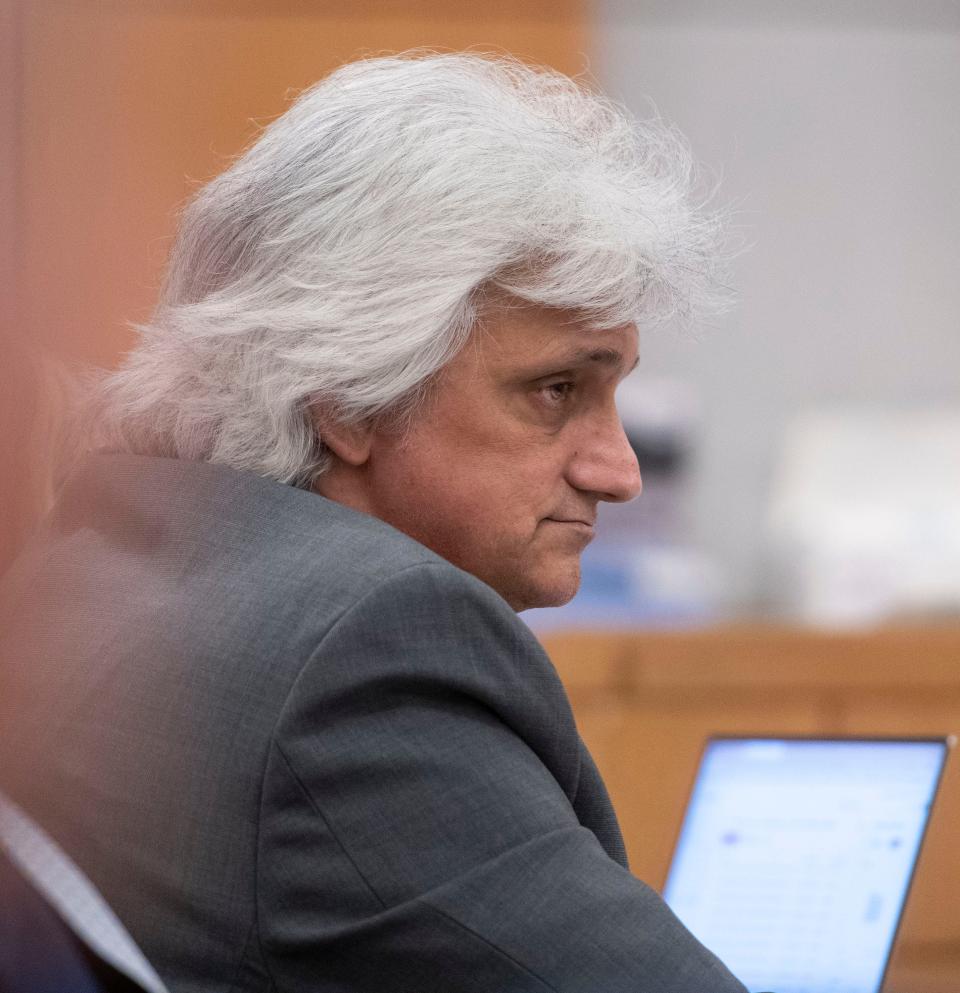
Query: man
pixel 268 685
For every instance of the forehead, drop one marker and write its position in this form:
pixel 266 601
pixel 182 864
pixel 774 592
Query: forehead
pixel 528 337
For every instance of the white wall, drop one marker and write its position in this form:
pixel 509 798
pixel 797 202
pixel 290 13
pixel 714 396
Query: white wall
pixel 837 131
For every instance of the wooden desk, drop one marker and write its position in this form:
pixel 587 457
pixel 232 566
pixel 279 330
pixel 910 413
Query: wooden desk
pixel 646 700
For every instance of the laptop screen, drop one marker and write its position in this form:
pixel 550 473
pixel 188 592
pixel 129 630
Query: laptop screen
pixel 795 856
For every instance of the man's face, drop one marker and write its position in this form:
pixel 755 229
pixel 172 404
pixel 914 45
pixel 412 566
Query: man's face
pixel 502 470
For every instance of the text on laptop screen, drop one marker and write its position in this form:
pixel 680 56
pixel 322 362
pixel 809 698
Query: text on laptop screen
pixel 795 857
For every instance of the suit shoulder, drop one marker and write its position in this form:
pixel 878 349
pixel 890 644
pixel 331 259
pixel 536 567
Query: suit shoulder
pixel 351 556
pixel 430 621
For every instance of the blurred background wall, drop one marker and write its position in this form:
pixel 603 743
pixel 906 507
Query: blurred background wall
pixel 834 130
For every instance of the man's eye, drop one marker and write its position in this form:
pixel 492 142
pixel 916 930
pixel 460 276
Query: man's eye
pixel 557 393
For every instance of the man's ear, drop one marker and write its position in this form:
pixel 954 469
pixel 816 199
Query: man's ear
pixel 349 441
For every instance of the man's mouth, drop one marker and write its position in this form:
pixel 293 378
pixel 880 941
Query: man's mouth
pixel 589 520
pixel 583 524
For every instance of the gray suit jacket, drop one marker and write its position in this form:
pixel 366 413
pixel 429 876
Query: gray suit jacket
pixel 296 750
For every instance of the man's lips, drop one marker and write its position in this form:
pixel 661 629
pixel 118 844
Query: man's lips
pixel 584 524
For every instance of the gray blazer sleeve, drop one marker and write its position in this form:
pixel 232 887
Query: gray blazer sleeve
pixel 428 821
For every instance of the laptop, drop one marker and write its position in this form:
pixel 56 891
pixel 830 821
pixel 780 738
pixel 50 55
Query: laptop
pixel 796 855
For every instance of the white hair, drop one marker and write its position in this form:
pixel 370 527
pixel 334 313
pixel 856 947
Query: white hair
pixel 345 257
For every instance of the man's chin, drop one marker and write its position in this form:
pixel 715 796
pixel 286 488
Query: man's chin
pixel 553 591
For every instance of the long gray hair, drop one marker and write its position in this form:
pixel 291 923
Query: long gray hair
pixel 346 256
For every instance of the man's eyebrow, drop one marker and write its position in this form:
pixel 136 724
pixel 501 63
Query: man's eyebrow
pixel 605 356
pixel 567 362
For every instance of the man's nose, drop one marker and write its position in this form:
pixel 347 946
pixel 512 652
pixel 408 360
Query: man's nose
pixel 605 464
